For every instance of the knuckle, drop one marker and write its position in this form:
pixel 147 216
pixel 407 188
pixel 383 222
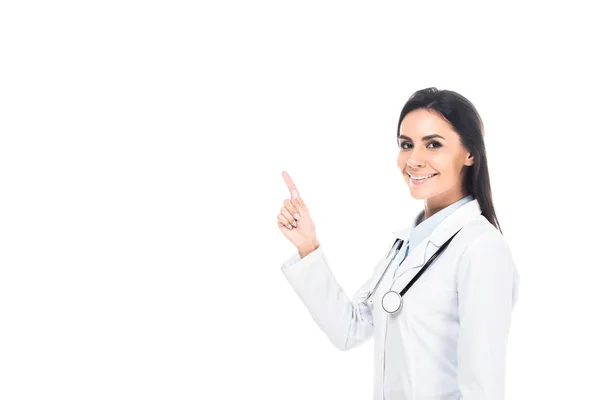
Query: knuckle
pixel 292 207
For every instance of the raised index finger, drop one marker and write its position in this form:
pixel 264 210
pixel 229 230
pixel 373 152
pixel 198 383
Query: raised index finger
pixel 290 183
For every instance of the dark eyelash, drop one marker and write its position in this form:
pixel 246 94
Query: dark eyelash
pixel 437 144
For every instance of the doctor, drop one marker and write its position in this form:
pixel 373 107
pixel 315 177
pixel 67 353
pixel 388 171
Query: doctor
pixel 445 337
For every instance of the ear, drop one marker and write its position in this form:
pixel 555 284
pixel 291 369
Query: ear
pixel 470 160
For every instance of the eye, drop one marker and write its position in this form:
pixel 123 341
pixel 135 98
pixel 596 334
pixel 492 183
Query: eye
pixel 434 142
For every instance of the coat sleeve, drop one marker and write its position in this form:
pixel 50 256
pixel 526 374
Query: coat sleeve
pixel 488 284
pixel 347 322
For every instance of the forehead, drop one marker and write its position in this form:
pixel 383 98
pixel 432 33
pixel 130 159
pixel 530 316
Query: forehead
pixel 421 122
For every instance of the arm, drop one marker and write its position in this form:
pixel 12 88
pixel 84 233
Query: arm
pixel 346 322
pixel 487 293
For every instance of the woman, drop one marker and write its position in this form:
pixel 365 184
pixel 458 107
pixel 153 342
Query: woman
pixel 446 336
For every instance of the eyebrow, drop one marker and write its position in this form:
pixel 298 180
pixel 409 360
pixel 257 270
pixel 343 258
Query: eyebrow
pixel 424 138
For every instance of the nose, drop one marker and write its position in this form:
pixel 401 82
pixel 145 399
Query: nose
pixel 414 164
pixel 415 160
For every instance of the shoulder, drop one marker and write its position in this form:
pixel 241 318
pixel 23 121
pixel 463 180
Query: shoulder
pixel 487 266
pixel 482 242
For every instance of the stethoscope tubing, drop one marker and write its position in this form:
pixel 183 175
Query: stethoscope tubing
pixel 392 301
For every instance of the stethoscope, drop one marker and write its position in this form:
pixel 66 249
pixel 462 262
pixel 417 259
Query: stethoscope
pixel 392 301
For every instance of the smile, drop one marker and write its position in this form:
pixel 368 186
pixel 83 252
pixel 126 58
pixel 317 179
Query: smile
pixel 418 180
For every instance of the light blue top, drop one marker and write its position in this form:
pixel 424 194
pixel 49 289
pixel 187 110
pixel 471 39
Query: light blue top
pixel 426 227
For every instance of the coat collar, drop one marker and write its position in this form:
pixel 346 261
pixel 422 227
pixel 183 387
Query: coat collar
pixel 448 227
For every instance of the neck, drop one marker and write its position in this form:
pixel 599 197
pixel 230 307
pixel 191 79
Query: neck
pixel 441 201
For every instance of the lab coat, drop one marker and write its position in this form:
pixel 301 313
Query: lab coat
pixel 449 340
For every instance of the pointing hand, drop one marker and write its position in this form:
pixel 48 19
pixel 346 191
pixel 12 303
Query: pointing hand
pixel 295 222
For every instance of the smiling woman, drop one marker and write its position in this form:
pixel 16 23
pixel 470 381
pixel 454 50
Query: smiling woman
pixel 446 338
pixel 442 153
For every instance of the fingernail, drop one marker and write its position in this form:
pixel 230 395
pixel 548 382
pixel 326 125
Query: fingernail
pixel 297 216
pixel 294 223
pixel 295 193
pixel 289 226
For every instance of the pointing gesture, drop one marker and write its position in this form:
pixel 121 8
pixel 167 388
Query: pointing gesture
pixel 295 222
pixel 292 187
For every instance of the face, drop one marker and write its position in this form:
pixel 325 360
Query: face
pixel 429 146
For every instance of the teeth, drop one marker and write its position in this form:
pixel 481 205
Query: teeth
pixel 419 178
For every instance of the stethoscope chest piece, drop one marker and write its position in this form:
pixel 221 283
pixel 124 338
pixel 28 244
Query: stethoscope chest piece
pixel 392 302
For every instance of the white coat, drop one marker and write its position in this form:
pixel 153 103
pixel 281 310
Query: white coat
pixel 449 340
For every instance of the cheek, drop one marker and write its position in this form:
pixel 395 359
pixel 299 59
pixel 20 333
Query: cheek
pixel 444 164
pixel 439 163
pixel 449 174
pixel 401 161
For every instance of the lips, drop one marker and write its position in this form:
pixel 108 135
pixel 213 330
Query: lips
pixel 422 176
pixel 419 180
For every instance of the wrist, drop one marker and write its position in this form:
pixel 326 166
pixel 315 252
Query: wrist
pixel 304 251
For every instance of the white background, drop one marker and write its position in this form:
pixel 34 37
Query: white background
pixel 142 145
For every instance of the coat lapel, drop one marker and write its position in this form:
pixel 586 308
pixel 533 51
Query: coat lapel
pixel 448 227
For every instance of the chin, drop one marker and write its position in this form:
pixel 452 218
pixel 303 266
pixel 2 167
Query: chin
pixel 419 196
pixel 423 194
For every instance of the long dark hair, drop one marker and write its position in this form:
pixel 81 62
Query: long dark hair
pixel 465 120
